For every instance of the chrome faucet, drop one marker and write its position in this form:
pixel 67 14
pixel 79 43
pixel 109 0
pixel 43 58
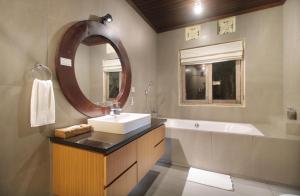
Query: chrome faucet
pixel 115 109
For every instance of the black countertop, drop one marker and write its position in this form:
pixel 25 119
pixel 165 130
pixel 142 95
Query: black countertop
pixel 107 143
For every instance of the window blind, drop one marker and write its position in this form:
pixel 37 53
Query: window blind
pixel 212 54
pixel 113 65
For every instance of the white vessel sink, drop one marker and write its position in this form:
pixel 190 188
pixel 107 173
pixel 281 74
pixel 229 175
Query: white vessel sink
pixel 120 124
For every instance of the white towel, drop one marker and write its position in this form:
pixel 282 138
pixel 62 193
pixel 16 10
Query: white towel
pixel 42 111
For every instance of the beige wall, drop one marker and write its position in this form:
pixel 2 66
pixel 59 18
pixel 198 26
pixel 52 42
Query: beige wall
pixel 291 55
pixel 262 33
pixel 29 33
pixel 82 69
pixel 97 55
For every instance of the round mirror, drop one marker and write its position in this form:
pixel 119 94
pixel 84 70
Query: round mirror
pixel 93 68
pixel 98 70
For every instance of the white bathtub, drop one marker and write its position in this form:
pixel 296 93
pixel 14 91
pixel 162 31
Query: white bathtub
pixel 213 126
pixel 232 148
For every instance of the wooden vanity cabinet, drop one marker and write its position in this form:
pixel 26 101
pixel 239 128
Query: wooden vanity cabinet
pixel 150 148
pixel 79 172
pixel 123 185
pixel 118 162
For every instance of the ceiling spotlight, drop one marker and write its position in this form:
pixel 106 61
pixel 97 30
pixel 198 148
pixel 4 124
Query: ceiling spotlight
pixel 198 8
pixel 106 19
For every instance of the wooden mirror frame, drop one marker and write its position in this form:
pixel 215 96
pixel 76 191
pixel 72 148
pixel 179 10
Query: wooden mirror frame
pixel 76 34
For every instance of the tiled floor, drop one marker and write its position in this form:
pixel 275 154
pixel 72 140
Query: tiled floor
pixel 171 181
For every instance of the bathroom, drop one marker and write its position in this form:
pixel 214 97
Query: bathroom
pixel 266 35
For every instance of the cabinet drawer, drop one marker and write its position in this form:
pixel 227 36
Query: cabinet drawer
pixel 144 154
pixel 124 184
pixel 158 135
pixel 159 150
pixel 150 148
pixel 119 161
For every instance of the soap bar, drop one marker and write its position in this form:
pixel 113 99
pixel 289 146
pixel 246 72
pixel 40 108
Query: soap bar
pixel 72 131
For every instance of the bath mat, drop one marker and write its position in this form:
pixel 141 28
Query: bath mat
pixel 208 178
pixel 288 195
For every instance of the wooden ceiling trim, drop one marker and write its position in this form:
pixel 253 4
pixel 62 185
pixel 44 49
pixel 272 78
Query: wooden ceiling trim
pixel 132 4
pixel 160 21
pixel 161 30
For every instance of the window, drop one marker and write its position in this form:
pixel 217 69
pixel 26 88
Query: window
pixel 112 85
pixel 112 73
pixel 195 82
pixel 211 80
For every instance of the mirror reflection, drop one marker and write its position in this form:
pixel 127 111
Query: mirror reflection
pixel 98 70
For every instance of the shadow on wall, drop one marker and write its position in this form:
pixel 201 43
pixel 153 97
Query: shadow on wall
pixel 33 175
pixel 25 159
pixel 171 145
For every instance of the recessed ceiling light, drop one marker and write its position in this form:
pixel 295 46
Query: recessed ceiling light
pixel 198 8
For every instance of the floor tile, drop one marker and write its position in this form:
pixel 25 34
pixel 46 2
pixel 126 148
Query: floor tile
pixel 170 184
pixel 283 194
pixel 172 171
pixel 252 183
pixel 252 190
pixel 170 180
pixel 194 189
pixel 279 190
pixel 162 192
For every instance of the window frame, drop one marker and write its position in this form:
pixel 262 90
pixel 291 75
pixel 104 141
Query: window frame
pixel 106 84
pixel 209 101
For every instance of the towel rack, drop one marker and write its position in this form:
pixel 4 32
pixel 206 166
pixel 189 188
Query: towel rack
pixel 39 67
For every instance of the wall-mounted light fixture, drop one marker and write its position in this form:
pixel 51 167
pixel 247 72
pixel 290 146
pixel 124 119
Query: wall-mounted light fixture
pixel 198 7
pixel 106 19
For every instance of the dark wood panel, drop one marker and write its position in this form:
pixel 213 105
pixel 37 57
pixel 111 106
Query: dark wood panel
pixel 94 41
pixel 164 15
